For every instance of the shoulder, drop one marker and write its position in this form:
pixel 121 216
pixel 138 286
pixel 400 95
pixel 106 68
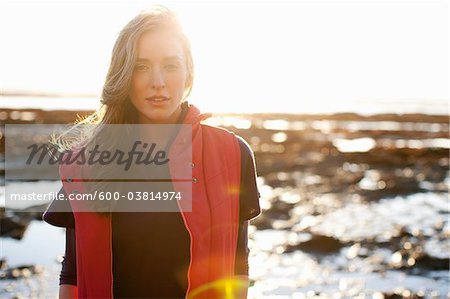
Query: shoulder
pixel 246 149
pixel 218 135
pixel 210 129
pixel 59 212
pixel 220 132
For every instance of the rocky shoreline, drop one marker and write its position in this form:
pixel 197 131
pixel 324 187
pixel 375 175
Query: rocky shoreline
pixel 353 199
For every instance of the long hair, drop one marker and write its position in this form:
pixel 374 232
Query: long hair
pixel 117 107
pixel 116 89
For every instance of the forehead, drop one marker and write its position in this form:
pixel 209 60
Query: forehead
pixel 159 44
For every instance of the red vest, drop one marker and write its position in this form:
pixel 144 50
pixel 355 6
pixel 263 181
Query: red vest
pixel 212 224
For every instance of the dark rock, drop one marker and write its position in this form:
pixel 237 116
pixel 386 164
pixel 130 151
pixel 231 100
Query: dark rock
pixel 13 228
pixel 21 271
pixel 317 244
pixel 432 263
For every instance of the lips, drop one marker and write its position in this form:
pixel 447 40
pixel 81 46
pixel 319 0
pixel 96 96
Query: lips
pixel 157 98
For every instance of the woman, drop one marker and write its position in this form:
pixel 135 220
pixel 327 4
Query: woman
pixel 197 253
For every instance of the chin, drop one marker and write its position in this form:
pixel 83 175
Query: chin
pixel 157 116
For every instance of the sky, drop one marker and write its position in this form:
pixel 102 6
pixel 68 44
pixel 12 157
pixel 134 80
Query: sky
pixel 249 56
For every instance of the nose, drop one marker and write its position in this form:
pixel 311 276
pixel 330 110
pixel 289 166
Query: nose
pixel 157 80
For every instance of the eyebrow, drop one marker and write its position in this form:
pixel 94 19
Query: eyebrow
pixel 165 58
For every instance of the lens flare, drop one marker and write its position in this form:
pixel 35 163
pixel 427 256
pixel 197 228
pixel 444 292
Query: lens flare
pixel 228 288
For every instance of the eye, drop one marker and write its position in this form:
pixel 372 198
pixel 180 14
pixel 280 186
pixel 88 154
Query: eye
pixel 141 67
pixel 171 67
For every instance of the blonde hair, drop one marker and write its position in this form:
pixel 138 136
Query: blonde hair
pixel 116 105
pixel 116 89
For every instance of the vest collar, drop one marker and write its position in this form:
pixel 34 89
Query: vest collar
pixel 193 114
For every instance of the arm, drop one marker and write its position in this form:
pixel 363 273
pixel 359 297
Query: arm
pixel 59 214
pixel 68 277
pixel 248 209
pixel 241 265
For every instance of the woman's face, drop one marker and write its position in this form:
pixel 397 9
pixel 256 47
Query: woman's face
pixel 160 77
